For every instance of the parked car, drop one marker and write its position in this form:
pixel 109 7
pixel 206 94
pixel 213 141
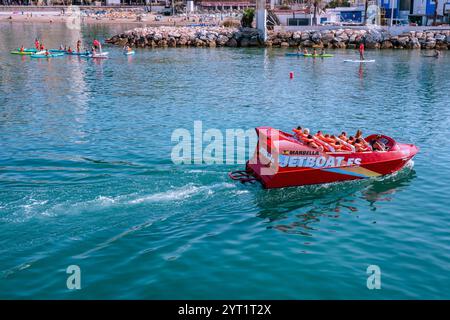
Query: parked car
pixel 400 22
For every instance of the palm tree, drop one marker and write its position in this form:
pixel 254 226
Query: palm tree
pixel 435 12
pixel 366 4
pixel 316 4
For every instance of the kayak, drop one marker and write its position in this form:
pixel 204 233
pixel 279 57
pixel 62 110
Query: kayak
pixel 51 55
pixel 309 55
pixel 73 53
pixel 28 50
pixel 56 51
pixel 129 53
pixel 359 61
pixel 22 53
pixel 326 55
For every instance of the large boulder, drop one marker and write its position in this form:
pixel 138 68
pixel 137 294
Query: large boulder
pixel 305 36
pixel 297 35
pixel 403 41
pixel 316 37
pixel 232 43
pixel 414 43
pixel 372 37
pixel 307 43
pixel 430 45
pixel 386 44
pixel 222 40
pixel 439 37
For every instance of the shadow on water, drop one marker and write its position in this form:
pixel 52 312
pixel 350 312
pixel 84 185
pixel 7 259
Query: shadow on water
pixel 302 207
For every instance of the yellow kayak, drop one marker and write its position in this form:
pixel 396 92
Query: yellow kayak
pixel 22 53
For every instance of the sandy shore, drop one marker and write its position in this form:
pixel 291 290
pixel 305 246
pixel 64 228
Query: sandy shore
pixel 56 17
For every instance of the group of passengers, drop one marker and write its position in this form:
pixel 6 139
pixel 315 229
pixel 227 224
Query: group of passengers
pixel 341 143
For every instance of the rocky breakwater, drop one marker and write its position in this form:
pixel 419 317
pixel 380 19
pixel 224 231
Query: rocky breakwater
pixel 372 39
pixel 232 37
pixel 187 36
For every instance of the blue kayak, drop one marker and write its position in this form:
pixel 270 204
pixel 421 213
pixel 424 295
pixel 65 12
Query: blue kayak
pixel 56 51
pixel 50 55
pixel 294 54
pixel 73 53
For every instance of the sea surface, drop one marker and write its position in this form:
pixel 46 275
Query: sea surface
pixel 86 176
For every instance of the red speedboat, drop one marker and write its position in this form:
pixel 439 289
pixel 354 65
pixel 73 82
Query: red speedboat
pixel 285 160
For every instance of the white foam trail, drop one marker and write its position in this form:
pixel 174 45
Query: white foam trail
pixel 177 194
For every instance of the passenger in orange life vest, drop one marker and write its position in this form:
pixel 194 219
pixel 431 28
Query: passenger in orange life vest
pixel 343 136
pixel 327 138
pixel 298 132
pixel 310 142
pixel 320 135
pixel 359 136
pixel 337 146
pixel 351 140
pixel 360 146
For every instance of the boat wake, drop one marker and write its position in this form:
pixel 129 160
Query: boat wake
pixel 34 207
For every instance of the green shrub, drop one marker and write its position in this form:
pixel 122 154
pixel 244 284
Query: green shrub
pixel 247 18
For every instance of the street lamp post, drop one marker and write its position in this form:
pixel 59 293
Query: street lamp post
pixel 392 11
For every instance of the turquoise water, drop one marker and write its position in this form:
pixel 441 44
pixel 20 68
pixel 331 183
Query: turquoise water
pixel 86 177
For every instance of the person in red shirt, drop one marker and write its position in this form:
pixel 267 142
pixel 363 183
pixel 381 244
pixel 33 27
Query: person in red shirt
pixel 36 44
pixel 361 51
pixel 42 48
pixel 97 45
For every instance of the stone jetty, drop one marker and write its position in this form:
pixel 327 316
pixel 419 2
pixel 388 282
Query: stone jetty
pixel 248 37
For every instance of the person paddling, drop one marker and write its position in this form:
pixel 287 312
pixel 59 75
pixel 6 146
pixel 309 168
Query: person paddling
pixel 36 44
pixel 361 51
pixel 79 45
pixel 97 45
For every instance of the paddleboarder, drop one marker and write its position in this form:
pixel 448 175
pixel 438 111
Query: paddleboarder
pixel 361 51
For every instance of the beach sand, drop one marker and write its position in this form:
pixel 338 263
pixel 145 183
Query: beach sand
pixel 56 17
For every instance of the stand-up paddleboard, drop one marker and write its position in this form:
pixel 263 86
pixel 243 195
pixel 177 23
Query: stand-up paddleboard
pixel 129 53
pixel 359 61
pixel 98 55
